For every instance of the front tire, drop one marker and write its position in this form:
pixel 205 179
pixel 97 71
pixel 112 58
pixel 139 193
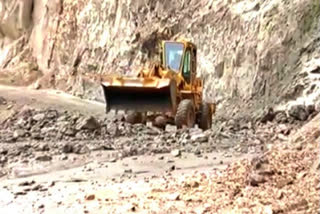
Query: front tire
pixel 205 116
pixel 185 115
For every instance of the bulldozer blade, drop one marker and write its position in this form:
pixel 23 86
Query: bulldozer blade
pixel 140 95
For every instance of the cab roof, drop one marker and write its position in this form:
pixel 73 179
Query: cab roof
pixel 184 41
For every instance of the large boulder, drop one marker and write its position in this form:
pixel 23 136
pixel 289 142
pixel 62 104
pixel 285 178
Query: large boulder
pixel 299 112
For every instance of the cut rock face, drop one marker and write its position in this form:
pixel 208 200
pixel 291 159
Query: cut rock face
pixel 15 17
pixel 55 41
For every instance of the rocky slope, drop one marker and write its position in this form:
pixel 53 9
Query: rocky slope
pixel 252 52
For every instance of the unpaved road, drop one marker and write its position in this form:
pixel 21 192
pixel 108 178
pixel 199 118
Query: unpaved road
pixel 31 186
pixel 21 96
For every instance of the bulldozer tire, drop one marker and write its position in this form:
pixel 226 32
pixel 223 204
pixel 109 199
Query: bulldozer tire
pixel 134 117
pixel 205 116
pixel 185 115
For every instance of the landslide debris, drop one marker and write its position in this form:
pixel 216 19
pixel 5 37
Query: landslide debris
pixel 41 134
pixel 50 125
pixel 284 179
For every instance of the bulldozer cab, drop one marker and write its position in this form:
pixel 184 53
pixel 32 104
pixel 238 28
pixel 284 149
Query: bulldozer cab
pixel 179 57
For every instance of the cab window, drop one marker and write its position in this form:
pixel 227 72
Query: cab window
pixel 173 53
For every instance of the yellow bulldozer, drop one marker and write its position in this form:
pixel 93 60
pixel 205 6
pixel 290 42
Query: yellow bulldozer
pixel 170 88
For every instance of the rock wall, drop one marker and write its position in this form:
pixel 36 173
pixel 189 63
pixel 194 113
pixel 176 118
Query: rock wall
pixel 256 53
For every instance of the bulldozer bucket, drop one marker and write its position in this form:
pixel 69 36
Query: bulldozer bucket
pixel 140 94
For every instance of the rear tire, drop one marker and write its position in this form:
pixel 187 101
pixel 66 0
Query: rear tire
pixel 185 115
pixel 205 116
pixel 134 117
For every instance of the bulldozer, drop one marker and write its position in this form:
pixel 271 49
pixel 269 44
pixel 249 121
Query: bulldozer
pixel 170 88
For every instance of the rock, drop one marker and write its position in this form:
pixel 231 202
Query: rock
pixel 152 131
pixel 171 128
pixel 52 114
pixel 90 197
pixel 27 183
pixel 64 157
pixel 284 182
pixel 89 123
pixel 36 136
pixel 203 210
pixel 197 151
pixel 132 208
pixel 25 112
pixel 268 115
pixel 3 101
pixel 201 138
pixel 38 117
pixel 281 117
pixel 317 106
pixel 43 148
pixel 44 158
pixel 113 160
pixel 3 159
pixel 68 148
pixel 20 193
pixel 193 132
pixel 176 153
pixel 21 122
pixel 129 171
pixel 298 112
pixel 185 142
pixel 245 125
pixel 310 109
pixel 19 133
pixel 172 168
pixel 80 149
pixel 283 129
pixel 160 122
pixel 4 152
pixel 170 161
pixel 45 131
pixel 174 197
pixel 191 184
pixel 316 165
pixel 256 179
pixel 113 129
pixel 69 131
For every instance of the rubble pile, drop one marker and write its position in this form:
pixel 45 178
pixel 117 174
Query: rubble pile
pixel 60 127
pixel 284 179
